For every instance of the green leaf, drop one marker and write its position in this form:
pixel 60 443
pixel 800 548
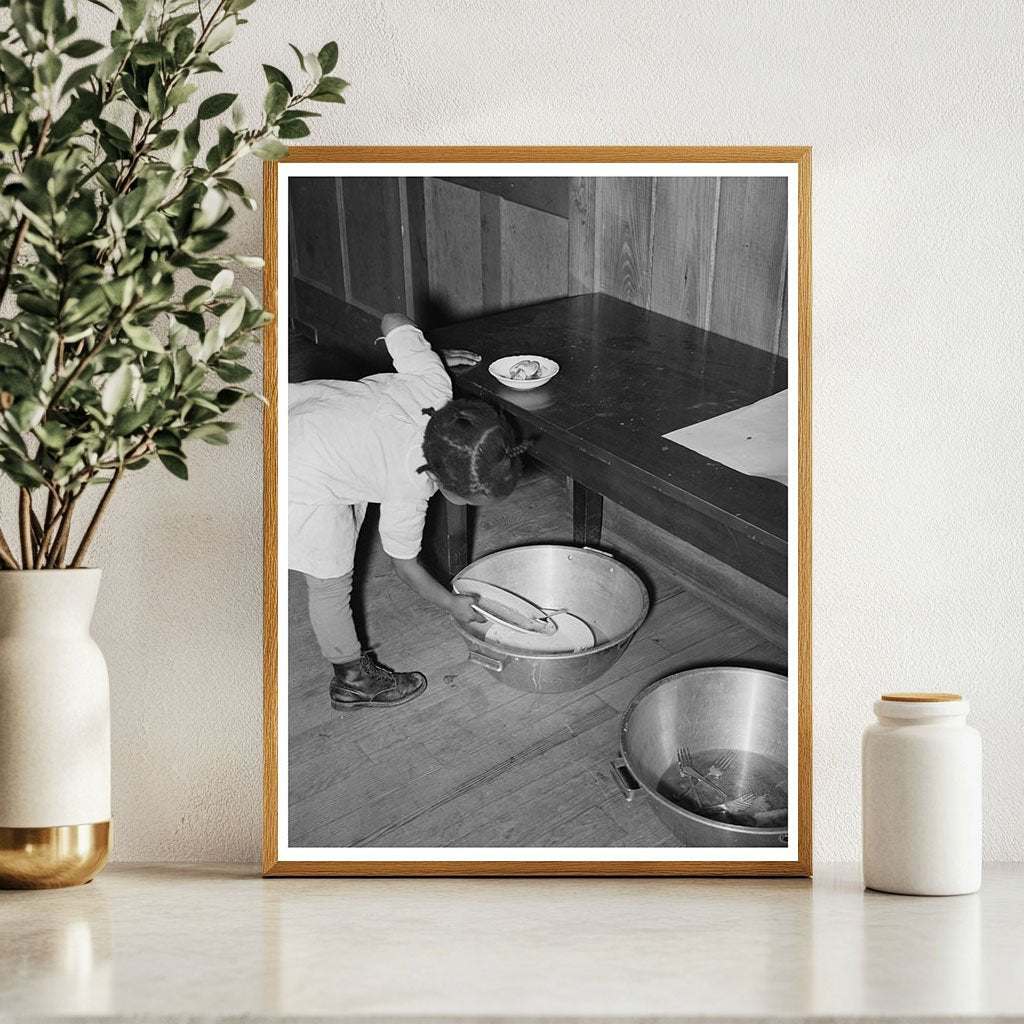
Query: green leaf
pixel 269 149
pixel 321 96
pixel 129 207
pixel 36 304
pixel 276 100
pixel 175 465
pixel 162 139
pixel 328 57
pixel 53 435
pixel 28 25
pixel 338 85
pixel 181 94
pixel 21 471
pixel 116 133
pixel 109 65
pixel 16 70
pixel 65 28
pixel 193 321
pixel 26 413
pixel 78 78
pixel 195 296
pixel 116 390
pixel 311 65
pixel 12 356
pixel 216 104
pixel 156 101
pixel 193 379
pixel 133 13
pixel 83 48
pixel 184 44
pixel 293 130
pixel 49 68
pixel 221 35
pixel 227 397
pixel 149 53
pixel 232 373
pixel 223 280
pixel 185 148
pixel 274 75
pixel 144 338
pixel 211 433
pixel 211 209
pixel 232 319
pixel 128 421
pixel 53 14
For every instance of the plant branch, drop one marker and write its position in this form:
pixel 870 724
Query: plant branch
pixel 60 543
pixel 22 229
pixel 25 522
pixel 6 554
pixel 86 358
pixel 37 528
pixel 54 509
pixel 94 523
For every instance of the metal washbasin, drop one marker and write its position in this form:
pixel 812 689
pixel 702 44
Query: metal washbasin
pixel 737 709
pixel 593 585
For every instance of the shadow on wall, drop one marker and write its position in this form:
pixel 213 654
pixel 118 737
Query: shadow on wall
pixel 328 340
pixel 706 251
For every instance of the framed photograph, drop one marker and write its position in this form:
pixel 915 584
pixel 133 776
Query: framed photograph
pixel 538 511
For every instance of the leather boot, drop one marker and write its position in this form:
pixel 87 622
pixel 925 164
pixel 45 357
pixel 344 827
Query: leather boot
pixel 366 684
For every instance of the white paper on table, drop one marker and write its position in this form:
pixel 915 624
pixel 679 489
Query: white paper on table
pixel 752 440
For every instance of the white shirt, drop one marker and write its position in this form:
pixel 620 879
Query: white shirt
pixel 353 442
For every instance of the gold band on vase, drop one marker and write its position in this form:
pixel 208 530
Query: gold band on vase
pixel 52 857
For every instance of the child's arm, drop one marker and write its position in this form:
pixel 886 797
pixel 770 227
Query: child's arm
pixel 453 357
pixel 393 320
pixel 459 606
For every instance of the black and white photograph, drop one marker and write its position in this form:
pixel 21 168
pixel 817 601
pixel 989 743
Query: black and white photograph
pixel 537 514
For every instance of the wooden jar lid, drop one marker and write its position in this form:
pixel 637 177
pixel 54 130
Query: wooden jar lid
pixel 921 698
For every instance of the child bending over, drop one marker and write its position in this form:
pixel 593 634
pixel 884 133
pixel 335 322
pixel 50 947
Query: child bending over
pixel 396 439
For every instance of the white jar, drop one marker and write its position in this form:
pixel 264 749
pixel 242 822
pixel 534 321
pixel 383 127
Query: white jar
pixel 921 779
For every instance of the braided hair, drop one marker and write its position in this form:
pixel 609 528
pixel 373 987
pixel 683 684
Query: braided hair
pixel 471 450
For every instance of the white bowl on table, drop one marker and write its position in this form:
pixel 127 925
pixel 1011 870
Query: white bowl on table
pixel 500 368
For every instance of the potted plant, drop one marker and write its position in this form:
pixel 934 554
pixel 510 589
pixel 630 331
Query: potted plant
pixel 122 339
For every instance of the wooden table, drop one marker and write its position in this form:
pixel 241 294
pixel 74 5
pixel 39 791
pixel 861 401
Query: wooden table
pixel 627 377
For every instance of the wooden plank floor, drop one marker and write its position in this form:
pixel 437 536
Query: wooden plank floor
pixel 473 762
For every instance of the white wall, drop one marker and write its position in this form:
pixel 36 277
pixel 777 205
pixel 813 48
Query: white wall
pixel 915 118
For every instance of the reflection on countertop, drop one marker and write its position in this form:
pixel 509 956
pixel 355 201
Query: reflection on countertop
pixel 218 941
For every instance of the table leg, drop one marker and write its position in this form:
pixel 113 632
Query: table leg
pixel 454 552
pixel 587 512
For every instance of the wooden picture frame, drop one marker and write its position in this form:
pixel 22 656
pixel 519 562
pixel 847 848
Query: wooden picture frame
pixel 474 163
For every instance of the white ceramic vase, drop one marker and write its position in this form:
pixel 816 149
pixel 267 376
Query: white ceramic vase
pixel 54 731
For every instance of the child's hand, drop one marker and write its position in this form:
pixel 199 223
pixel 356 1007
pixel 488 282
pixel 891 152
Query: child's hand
pixel 457 357
pixel 461 609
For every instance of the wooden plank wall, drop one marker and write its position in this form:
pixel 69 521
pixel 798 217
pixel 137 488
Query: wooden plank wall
pixel 315 237
pixel 492 247
pixel 706 251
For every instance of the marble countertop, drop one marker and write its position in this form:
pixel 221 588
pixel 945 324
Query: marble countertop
pixel 176 942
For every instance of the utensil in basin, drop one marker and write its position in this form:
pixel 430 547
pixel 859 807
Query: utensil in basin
pixel 607 595
pixel 506 609
pixel 740 716
pixel 568 634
